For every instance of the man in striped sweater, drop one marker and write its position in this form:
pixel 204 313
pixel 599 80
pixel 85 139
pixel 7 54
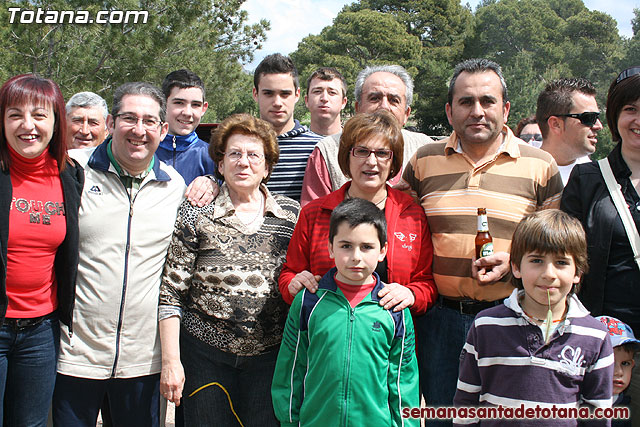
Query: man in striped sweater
pixel 482 164
pixel 276 90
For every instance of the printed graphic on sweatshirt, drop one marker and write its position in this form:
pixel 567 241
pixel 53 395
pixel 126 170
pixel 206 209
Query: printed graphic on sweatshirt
pixel 403 238
pixel 571 360
pixel 40 212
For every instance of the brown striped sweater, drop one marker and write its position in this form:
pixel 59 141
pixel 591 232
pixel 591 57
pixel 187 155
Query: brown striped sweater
pixel 518 180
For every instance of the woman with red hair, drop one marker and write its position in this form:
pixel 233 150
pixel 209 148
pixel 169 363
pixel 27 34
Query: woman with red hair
pixel 40 192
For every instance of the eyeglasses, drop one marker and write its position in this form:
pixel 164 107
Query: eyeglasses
pixel 588 118
pixel 149 123
pixel 253 158
pixel 530 137
pixel 363 153
pixel 629 72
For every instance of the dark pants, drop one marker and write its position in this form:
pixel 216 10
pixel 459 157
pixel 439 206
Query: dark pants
pixel 441 334
pixel 134 402
pixel 28 360
pixel 246 379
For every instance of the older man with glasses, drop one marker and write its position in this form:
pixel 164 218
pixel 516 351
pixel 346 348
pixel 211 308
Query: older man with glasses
pixel 129 206
pixel 568 117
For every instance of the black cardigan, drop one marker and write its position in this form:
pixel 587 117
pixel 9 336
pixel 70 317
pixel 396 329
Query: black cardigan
pixel 66 261
pixel 587 198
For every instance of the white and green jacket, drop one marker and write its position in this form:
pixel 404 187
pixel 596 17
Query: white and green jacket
pixel 344 366
pixel 123 245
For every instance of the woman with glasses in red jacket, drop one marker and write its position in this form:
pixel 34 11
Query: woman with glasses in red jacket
pixel 370 153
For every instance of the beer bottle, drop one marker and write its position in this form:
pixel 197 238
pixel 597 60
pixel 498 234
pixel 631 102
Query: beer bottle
pixel 484 242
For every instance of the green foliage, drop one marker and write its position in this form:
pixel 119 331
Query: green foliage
pixel 431 33
pixel 632 46
pixel 355 40
pixel 536 41
pixel 210 37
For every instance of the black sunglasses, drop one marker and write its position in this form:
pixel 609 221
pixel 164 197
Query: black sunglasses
pixel 588 118
pixel 531 137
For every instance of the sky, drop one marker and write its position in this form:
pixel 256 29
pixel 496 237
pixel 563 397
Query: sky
pixel 293 20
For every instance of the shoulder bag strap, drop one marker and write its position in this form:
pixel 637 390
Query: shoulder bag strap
pixel 621 206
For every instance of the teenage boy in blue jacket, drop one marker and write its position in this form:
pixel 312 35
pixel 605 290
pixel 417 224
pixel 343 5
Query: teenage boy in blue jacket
pixel 182 148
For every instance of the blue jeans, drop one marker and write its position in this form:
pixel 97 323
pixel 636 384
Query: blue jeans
pixel 28 360
pixel 441 334
pixel 134 402
pixel 246 379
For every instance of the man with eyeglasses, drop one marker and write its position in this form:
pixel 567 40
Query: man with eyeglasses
pixel 567 114
pixel 481 165
pixel 129 206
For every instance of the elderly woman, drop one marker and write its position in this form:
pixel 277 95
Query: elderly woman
pixel 370 153
pixel 611 286
pixel 39 197
pixel 219 298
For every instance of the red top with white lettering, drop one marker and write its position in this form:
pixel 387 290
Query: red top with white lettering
pixel 37 227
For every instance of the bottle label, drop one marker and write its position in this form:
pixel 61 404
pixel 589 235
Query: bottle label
pixel 486 249
pixel 483 224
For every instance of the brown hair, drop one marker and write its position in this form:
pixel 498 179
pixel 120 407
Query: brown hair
pixel 29 88
pixel 621 93
pixel 379 124
pixel 328 74
pixel 522 123
pixel 550 231
pixel 557 98
pixel 244 124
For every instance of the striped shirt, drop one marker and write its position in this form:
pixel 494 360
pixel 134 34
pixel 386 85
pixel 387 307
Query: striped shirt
pixel 295 148
pixel 518 180
pixel 505 361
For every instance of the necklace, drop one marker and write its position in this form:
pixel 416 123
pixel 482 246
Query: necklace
pixel 521 300
pixel 542 320
pixel 242 216
pixel 349 196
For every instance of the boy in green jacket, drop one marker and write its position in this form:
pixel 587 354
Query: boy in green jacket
pixel 345 360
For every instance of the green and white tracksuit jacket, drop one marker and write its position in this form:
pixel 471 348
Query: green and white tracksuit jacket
pixel 343 366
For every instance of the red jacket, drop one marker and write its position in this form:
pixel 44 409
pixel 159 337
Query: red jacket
pixel 409 255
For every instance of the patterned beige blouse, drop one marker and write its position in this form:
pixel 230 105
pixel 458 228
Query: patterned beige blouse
pixel 221 276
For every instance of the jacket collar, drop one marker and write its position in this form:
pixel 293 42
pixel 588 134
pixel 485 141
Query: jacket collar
pixel 328 283
pixel 183 142
pixel 99 160
pixel 509 145
pixel 618 165
pixel 223 206
pixel 397 198
pixel 576 309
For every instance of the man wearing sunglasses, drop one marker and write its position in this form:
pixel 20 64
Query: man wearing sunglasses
pixel 568 114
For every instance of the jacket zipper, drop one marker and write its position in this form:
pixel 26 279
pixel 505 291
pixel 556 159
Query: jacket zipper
pixel 174 151
pixel 352 317
pixel 124 279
